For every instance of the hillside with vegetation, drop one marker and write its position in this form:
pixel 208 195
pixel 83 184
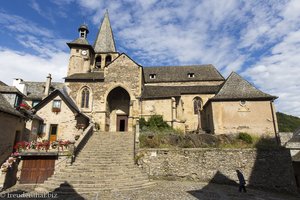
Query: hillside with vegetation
pixel 156 133
pixel 287 123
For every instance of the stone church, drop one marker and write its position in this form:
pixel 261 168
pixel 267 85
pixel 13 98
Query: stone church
pixel 115 91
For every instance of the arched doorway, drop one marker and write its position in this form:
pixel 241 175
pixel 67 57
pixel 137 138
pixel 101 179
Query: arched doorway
pixel 118 106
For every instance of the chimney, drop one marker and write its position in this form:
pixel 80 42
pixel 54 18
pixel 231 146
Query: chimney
pixel 48 84
pixel 19 84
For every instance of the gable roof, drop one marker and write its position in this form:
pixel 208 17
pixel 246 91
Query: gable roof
pixel 150 92
pixel 105 40
pixel 64 96
pixel 9 89
pixel 35 90
pixel 7 108
pixel 86 76
pixel 235 87
pixel 2 83
pixel 180 73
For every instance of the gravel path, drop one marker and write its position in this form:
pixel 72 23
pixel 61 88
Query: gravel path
pixel 169 190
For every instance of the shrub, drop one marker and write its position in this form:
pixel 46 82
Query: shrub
pixel 156 121
pixel 143 123
pixel 150 141
pixel 245 137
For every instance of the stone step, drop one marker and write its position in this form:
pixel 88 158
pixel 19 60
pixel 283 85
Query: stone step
pixel 100 168
pixel 106 162
pixel 104 159
pixel 88 154
pixel 98 180
pixel 70 190
pixel 87 171
pixel 96 183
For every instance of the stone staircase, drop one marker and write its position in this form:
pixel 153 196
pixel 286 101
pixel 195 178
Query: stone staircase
pixel 106 163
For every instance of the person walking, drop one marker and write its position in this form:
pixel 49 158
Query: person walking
pixel 242 181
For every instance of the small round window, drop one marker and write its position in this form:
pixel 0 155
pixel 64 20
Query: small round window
pixel 243 102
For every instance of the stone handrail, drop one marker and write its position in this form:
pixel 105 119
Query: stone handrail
pixel 80 143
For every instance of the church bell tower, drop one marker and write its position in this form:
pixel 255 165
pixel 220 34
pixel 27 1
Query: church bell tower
pixel 80 52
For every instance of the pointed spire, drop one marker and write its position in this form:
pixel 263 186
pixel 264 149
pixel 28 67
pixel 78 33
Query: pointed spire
pixel 105 40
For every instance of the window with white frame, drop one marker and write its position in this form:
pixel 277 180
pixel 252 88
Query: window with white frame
pixel 191 75
pixel 152 76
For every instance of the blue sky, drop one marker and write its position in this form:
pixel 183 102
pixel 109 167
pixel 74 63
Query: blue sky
pixel 258 39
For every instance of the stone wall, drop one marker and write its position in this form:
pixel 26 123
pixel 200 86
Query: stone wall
pixel 254 117
pixel 65 119
pixel 10 126
pixel 268 169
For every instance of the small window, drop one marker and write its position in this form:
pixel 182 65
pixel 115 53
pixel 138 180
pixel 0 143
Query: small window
pixel 108 59
pixel 243 102
pixel 77 50
pixel 42 129
pixel 85 97
pixel 191 75
pixel 18 101
pixel 152 76
pixel 98 62
pixel 197 105
pixel 56 104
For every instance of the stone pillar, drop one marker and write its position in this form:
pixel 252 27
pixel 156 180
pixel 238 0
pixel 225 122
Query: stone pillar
pixel 173 111
pixel 130 116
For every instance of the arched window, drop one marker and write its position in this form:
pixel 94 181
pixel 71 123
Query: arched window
pixel 85 97
pixel 98 62
pixel 108 59
pixel 197 105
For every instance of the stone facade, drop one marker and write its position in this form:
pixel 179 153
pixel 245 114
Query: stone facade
pixel 121 91
pixel 12 128
pixel 67 121
pixel 254 117
pixel 268 169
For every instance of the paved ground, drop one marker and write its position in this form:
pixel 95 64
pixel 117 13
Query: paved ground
pixel 166 190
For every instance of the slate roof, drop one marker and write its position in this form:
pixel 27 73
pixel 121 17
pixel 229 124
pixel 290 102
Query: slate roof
pixel 80 41
pixel 86 76
pixel 235 87
pixel 35 90
pixel 180 73
pixel 150 92
pixel 105 40
pixel 63 94
pixel 2 83
pixel 9 89
pixel 7 108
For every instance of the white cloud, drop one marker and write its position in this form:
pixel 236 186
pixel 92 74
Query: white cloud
pixel 279 72
pixel 45 13
pixel 18 24
pixel 257 39
pixel 43 51
pixel 31 67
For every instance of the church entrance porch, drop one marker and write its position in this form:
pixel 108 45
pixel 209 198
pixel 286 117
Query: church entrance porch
pixel 118 109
